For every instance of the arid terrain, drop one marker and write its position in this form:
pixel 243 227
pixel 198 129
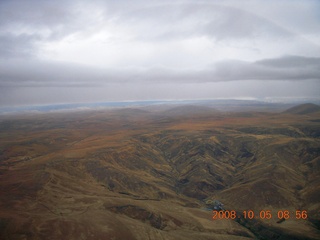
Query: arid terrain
pixel 140 174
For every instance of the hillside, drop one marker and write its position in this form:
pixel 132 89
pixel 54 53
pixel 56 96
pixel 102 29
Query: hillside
pixel 189 111
pixel 306 108
pixel 104 175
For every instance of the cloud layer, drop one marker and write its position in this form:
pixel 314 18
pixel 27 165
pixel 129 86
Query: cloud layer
pixel 148 45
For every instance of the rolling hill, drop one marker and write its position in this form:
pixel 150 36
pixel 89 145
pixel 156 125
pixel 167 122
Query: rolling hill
pixel 306 108
pixel 128 175
pixel 189 111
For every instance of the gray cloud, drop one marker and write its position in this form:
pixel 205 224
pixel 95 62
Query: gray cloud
pixel 216 21
pixel 37 16
pixel 52 20
pixel 238 23
pixel 144 46
pixel 40 73
pixel 17 73
pixel 17 46
pixel 284 68
pixel 292 62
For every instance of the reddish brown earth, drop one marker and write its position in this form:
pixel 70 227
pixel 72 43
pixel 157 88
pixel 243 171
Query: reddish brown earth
pixel 134 174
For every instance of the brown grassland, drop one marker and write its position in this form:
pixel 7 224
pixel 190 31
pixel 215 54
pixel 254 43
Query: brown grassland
pixel 135 174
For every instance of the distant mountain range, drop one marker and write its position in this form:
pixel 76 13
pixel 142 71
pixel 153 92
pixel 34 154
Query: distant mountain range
pixel 218 104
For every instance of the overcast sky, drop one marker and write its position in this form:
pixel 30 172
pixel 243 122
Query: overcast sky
pixel 93 51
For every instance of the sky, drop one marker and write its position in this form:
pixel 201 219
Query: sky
pixel 68 51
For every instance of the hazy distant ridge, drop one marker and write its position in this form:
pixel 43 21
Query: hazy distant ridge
pixel 304 109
